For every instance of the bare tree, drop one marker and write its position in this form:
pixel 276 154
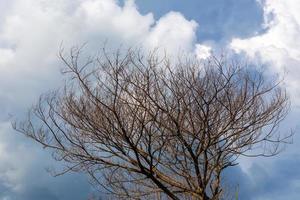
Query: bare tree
pixel 143 127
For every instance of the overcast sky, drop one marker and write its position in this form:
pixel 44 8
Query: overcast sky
pixel 265 32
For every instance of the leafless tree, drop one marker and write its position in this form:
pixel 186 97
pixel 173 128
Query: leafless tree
pixel 144 127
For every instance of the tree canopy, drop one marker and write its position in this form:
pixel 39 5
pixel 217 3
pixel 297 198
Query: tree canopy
pixel 144 127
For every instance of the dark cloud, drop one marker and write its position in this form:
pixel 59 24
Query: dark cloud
pixel 273 178
pixel 23 174
pixel 266 179
pixel 37 193
pixel 277 180
pixel 39 185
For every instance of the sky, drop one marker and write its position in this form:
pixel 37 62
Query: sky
pixel 265 32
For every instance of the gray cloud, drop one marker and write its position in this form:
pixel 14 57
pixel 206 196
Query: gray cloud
pixel 266 181
pixel 272 178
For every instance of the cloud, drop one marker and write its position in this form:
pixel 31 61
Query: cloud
pixel 23 174
pixel 173 32
pixel 31 32
pixel 219 21
pixel 279 46
pixel 203 51
pixel 272 179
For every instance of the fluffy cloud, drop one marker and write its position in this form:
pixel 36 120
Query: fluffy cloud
pixel 31 32
pixel 203 51
pixel 174 32
pixel 279 45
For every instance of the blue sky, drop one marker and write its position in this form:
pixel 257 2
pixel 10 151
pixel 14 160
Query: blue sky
pixel 218 20
pixel 266 32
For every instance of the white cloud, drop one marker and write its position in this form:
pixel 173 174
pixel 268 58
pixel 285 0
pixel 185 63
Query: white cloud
pixel 173 32
pixel 30 36
pixel 6 56
pixel 279 46
pixel 203 51
pixel 33 30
